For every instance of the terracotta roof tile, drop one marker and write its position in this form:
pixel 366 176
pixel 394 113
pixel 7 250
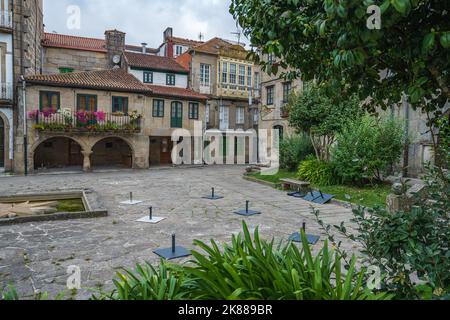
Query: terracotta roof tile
pixel 139 60
pixel 213 46
pixel 73 42
pixel 111 80
pixel 176 92
pixel 186 42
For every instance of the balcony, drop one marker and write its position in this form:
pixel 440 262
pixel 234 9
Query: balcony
pixel 6 91
pixel 6 19
pixel 90 122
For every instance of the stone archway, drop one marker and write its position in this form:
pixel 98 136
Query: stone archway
pixel 112 152
pixel 5 141
pixel 57 153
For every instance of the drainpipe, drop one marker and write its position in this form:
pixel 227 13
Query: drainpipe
pixel 406 152
pixel 25 128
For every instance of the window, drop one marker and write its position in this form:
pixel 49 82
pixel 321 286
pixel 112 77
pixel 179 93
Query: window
pixel 271 58
pixel 176 116
pixel 120 104
pixel 240 115
pixel 170 79
pixel 287 86
pixel 249 77
pixel 270 94
pixel 49 101
pixel 241 77
pixel 158 108
pixel 205 75
pixel 87 102
pixel 148 77
pixel 193 110
pixel 224 72
pixel 257 81
pixel 232 73
pixel 179 50
pixel 65 70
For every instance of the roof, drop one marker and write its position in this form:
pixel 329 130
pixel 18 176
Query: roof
pixel 176 92
pixel 213 46
pixel 111 80
pixel 186 42
pixel 139 60
pixel 54 40
pixel 72 42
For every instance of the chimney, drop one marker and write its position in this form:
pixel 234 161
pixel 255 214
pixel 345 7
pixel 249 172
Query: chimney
pixel 168 33
pixel 115 46
pixel 144 47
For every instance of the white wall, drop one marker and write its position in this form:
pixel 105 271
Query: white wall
pixel 159 78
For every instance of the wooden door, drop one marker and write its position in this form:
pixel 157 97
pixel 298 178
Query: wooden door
pixel 166 151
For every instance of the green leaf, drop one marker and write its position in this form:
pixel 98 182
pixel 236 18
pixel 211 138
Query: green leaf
pixel 428 42
pixel 402 6
pixel 445 39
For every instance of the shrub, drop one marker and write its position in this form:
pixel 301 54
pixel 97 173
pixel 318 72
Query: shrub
pixel 317 172
pixel 247 269
pixel 408 247
pixel 368 148
pixel 293 150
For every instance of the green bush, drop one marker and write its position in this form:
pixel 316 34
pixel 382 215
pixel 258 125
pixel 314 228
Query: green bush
pixel 247 269
pixel 367 148
pixel 293 150
pixel 408 246
pixel 317 172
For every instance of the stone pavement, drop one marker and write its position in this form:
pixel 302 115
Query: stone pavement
pixel 35 256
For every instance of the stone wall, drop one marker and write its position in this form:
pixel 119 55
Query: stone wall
pixel 28 29
pixel 78 60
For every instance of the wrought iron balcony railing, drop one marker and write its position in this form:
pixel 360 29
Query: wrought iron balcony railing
pixel 93 122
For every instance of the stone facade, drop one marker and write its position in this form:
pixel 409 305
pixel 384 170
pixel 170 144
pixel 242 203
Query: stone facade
pixel 94 153
pixel 28 32
pixel 222 95
pixel 77 60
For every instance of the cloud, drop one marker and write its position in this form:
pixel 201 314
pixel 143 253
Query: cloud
pixel 143 20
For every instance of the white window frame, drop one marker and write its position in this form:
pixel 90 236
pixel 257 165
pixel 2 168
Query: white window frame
pixel 205 75
pixel 224 76
pixel 241 78
pixel 233 74
pixel 240 115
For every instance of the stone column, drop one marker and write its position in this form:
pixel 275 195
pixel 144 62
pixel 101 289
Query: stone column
pixel 87 161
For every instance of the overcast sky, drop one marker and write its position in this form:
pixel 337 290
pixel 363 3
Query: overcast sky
pixel 143 20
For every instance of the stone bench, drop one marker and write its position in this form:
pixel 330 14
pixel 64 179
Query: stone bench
pixel 289 184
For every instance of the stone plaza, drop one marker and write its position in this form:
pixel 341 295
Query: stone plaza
pixel 34 257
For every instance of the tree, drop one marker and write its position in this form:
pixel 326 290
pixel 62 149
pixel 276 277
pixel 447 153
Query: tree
pixel 330 40
pixel 321 112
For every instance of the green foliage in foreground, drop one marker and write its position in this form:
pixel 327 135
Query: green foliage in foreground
pixel 249 268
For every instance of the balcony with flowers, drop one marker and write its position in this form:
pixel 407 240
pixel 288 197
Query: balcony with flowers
pixel 67 121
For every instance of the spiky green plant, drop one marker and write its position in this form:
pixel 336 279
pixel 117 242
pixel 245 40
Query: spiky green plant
pixel 251 268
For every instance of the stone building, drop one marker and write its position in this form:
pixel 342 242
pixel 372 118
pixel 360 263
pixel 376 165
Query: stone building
pixel 89 120
pixel 21 29
pixel 220 70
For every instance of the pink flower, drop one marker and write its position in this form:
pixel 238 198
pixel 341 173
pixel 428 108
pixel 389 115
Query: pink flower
pixel 100 115
pixel 33 114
